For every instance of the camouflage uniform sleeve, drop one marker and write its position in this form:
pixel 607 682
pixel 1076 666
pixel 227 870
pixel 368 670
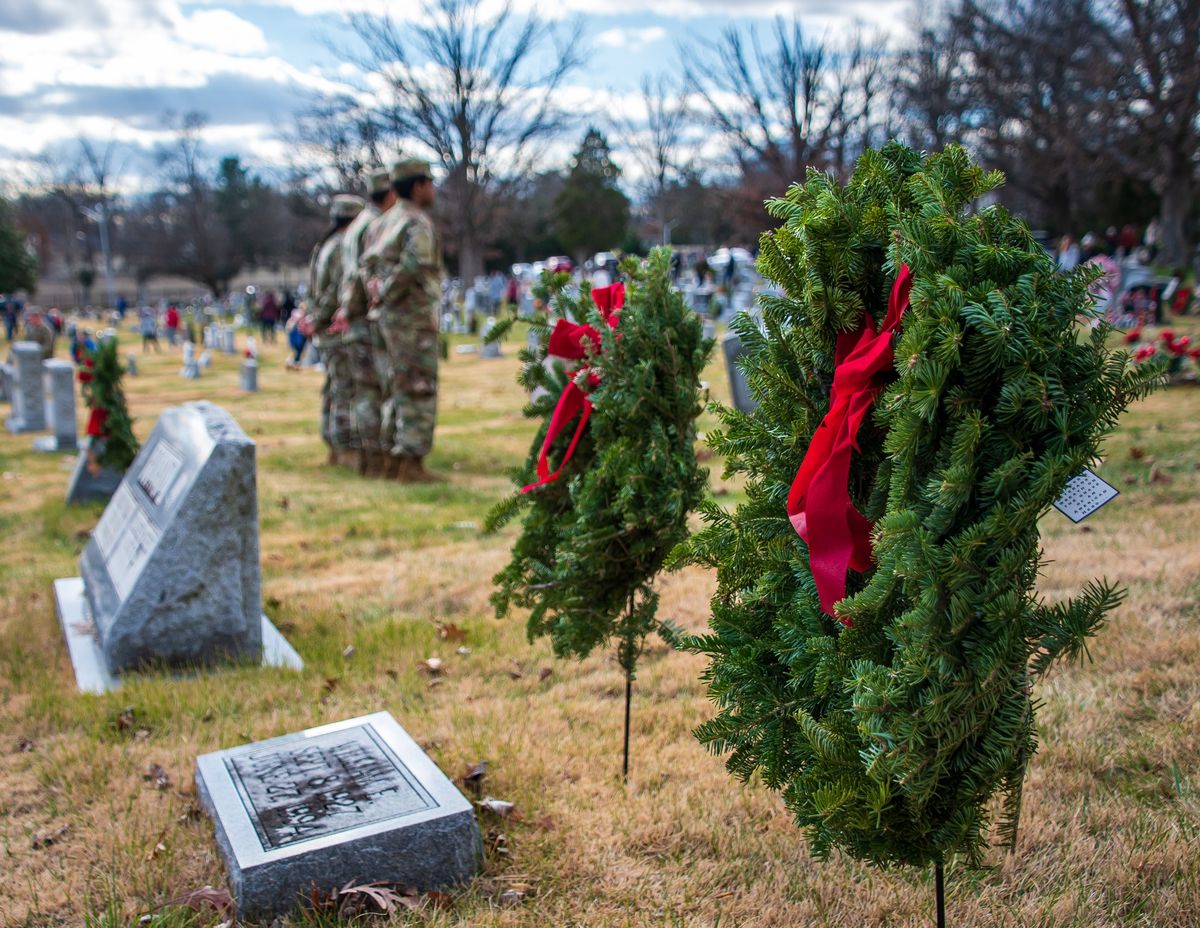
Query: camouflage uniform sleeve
pixel 418 253
pixel 328 283
pixel 353 296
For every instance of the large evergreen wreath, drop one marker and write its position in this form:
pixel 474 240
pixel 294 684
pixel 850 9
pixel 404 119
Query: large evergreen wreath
pixel 890 718
pixel 109 425
pixel 621 408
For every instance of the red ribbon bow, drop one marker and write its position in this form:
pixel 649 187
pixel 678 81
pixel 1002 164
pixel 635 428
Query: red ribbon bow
pixel 819 506
pixel 95 424
pixel 568 341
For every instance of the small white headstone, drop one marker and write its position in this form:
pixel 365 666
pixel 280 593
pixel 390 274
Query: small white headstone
pixel 60 407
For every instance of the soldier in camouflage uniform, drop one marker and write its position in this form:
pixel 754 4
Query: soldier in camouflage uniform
pixel 362 334
pixel 324 293
pixel 403 268
pixel 38 329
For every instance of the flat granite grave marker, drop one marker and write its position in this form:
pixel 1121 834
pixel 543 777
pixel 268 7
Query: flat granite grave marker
pixel 352 801
pixel 60 407
pixel 28 394
pixel 170 577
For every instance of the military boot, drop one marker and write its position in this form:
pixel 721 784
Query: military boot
pixel 332 459
pixel 376 462
pixel 413 471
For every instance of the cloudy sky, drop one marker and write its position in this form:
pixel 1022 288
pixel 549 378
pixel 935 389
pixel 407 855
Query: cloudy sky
pixel 112 69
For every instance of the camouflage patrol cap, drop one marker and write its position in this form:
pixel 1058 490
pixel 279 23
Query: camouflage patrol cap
pixel 379 180
pixel 345 206
pixel 410 168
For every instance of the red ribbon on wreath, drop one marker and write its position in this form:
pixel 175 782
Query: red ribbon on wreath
pixel 96 420
pixel 568 341
pixel 819 505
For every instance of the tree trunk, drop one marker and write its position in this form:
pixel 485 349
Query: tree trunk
pixel 470 257
pixel 1177 199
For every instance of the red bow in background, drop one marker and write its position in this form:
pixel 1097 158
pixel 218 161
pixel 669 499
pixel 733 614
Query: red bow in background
pixel 568 341
pixel 819 506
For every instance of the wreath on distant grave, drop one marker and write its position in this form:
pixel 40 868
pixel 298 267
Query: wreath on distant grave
pixel 110 428
pixel 612 475
pixel 925 394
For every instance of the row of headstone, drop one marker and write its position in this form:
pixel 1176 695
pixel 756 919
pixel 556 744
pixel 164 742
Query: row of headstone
pixel 489 350
pixel 170 579
pixel 220 338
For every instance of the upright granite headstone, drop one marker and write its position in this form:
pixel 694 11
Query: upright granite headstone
pixel 190 369
pixel 488 349
pixel 6 380
pixel 356 801
pixel 28 395
pixel 59 379
pixel 205 360
pixel 249 375
pixel 227 340
pixel 170 577
pixel 731 347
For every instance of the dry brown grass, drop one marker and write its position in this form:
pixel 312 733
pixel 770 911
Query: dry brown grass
pixel 1112 812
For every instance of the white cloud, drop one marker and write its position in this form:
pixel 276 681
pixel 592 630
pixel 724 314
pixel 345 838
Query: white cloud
pixel 630 39
pixel 221 31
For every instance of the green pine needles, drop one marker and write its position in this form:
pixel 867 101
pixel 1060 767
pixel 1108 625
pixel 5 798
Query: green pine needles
pixel 593 540
pixel 110 418
pixel 890 738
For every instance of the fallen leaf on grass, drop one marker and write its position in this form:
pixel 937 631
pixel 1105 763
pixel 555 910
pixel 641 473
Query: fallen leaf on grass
pixel 544 674
pixel 284 502
pixel 380 898
pixel 724 895
pixel 24 745
pixel 157 777
pixel 472 778
pixel 512 897
pixel 463 651
pixel 436 681
pixel 1159 476
pixel 515 671
pixel 545 823
pixel 448 631
pixel 197 899
pixel 500 807
pixel 191 814
pixel 158 848
pixel 349 652
pixel 497 843
pixel 434 666
pixel 1136 453
pixel 330 684
pixel 43 839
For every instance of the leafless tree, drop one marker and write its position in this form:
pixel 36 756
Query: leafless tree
pixel 1157 45
pixel 657 142
pixel 476 90
pixel 339 135
pixel 788 102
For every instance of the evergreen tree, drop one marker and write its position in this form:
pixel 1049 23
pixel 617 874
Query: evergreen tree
pixel 890 724
pixel 109 425
pixel 18 268
pixel 594 536
pixel 591 212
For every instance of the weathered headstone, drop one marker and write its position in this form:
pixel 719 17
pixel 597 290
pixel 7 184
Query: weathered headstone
pixel 355 801
pixel 249 375
pixel 59 378
pixel 205 360
pixel 227 340
pixel 170 576
pixel 489 349
pixel 208 336
pixel 6 380
pixel 731 347
pixel 190 369
pixel 28 395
